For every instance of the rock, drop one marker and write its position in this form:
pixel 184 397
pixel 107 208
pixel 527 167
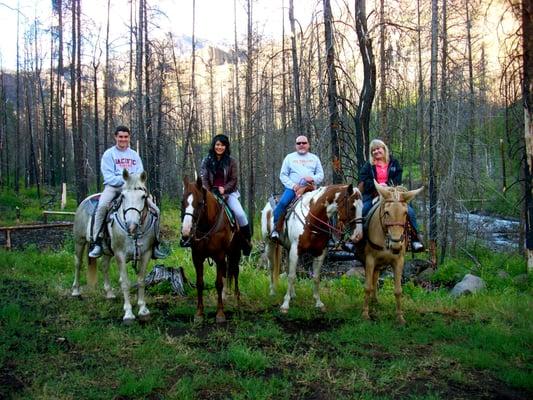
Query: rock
pixel 358 272
pixel 425 275
pixel 470 284
pixel 503 274
pixel 521 279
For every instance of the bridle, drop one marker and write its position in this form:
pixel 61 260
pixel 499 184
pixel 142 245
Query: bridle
pixel 385 225
pixel 196 218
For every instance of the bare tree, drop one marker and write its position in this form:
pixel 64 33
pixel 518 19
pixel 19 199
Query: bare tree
pixel 366 96
pixel 332 94
pixel 299 127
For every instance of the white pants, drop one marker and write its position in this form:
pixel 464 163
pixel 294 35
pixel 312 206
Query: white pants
pixel 233 202
pixel 106 197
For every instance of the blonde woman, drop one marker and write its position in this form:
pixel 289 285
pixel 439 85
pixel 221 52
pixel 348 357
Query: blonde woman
pixel 387 171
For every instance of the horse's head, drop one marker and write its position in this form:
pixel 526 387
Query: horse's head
pixel 134 195
pixel 393 214
pixel 350 212
pixel 192 206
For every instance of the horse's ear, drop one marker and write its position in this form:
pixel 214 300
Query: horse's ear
pixel 408 196
pixel 185 180
pixel 382 190
pixel 350 189
pixel 199 182
pixel 143 176
pixel 125 174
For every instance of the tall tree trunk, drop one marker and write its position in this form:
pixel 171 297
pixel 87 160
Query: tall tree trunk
pixel 106 81
pixel 18 149
pixel 83 183
pixel 433 133
pixel 150 159
pixel 248 115
pixel 299 126
pixel 527 89
pixel 96 127
pixel 332 94
pixel 237 107
pixel 383 128
pixel 368 91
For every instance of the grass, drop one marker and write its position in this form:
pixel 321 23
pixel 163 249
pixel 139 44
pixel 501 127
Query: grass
pixel 55 347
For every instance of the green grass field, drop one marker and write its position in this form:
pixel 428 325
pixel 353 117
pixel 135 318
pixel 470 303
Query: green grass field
pixel 53 346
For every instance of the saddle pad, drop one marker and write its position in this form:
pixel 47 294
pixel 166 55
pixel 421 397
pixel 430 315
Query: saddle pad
pixel 228 210
pixel 369 215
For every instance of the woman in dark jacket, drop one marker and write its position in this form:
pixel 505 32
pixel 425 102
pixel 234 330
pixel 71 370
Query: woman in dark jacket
pixel 387 171
pixel 219 175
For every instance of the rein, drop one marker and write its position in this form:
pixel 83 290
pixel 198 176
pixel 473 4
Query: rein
pixel 384 226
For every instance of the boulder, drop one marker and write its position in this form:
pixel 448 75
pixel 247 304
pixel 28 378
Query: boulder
pixel 470 284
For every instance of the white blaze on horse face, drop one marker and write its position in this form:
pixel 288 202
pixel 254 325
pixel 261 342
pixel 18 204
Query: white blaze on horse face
pixel 133 203
pixel 187 219
pixel 358 232
pixel 331 208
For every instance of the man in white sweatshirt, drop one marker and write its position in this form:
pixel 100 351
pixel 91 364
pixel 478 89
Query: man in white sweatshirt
pixel 114 161
pixel 299 169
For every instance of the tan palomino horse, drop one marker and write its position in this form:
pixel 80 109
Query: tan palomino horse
pixel 386 242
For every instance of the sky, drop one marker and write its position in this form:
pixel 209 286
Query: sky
pixel 214 18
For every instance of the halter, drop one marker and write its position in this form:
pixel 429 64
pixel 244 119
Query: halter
pixel 385 225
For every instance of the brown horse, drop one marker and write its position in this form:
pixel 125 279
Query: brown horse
pixel 207 230
pixel 307 230
pixel 385 242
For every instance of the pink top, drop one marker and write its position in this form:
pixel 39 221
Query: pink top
pixel 382 173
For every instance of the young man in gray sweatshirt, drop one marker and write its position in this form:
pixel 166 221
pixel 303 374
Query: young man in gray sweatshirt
pixel 114 161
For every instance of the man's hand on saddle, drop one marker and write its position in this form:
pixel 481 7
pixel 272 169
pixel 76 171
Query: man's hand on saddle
pixel 221 190
pixel 306 184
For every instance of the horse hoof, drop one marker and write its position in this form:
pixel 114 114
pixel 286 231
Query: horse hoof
pixel 283 310
pixel 401 321
pixel 145 317
pixel 110 296
pixel 366 316
pixel 76 293
pixel 128 321
pixel 322 309
pixel 220 319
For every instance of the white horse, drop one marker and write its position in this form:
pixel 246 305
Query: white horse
pixel 132 234
pixel 307 230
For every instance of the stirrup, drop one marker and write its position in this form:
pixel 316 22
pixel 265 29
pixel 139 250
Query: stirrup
pixel 274 234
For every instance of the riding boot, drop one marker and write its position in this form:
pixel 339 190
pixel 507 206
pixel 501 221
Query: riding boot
pixel 96 248
pixel 417 245
pixel 247 242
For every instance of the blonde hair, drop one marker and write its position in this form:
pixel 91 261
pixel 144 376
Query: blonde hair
pixel 374 144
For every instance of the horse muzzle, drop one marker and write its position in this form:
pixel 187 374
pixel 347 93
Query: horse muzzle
pixel 185 241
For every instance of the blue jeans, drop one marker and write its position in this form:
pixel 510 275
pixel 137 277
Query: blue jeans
pixel 285 200
pixel 367 205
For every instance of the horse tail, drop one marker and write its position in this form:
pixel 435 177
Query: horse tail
pixel 91 273
pixel 276 262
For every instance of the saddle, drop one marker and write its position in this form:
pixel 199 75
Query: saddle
pixel 92 205
pixel 274 200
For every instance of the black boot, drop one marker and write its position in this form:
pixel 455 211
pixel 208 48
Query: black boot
pixel 247 242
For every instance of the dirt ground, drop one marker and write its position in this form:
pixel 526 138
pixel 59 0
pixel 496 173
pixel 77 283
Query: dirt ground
pixel 46 238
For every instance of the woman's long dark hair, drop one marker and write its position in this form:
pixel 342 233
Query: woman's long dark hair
pixel 213 163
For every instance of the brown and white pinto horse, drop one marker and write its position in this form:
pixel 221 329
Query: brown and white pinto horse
pixel 307 230
pixel 205 227
pixel 385 242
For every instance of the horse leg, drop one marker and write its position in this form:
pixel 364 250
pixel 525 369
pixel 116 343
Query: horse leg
pixel 398 268
pixel 375 279
pixel 317 264
pixel 78 263
pixel 270 250
pixel 369 274
pixel 128 317
pixel 221 273
pixel 144 313
pixel 107 284
pixel 293 261
pixel 233 268
pixel 199 268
